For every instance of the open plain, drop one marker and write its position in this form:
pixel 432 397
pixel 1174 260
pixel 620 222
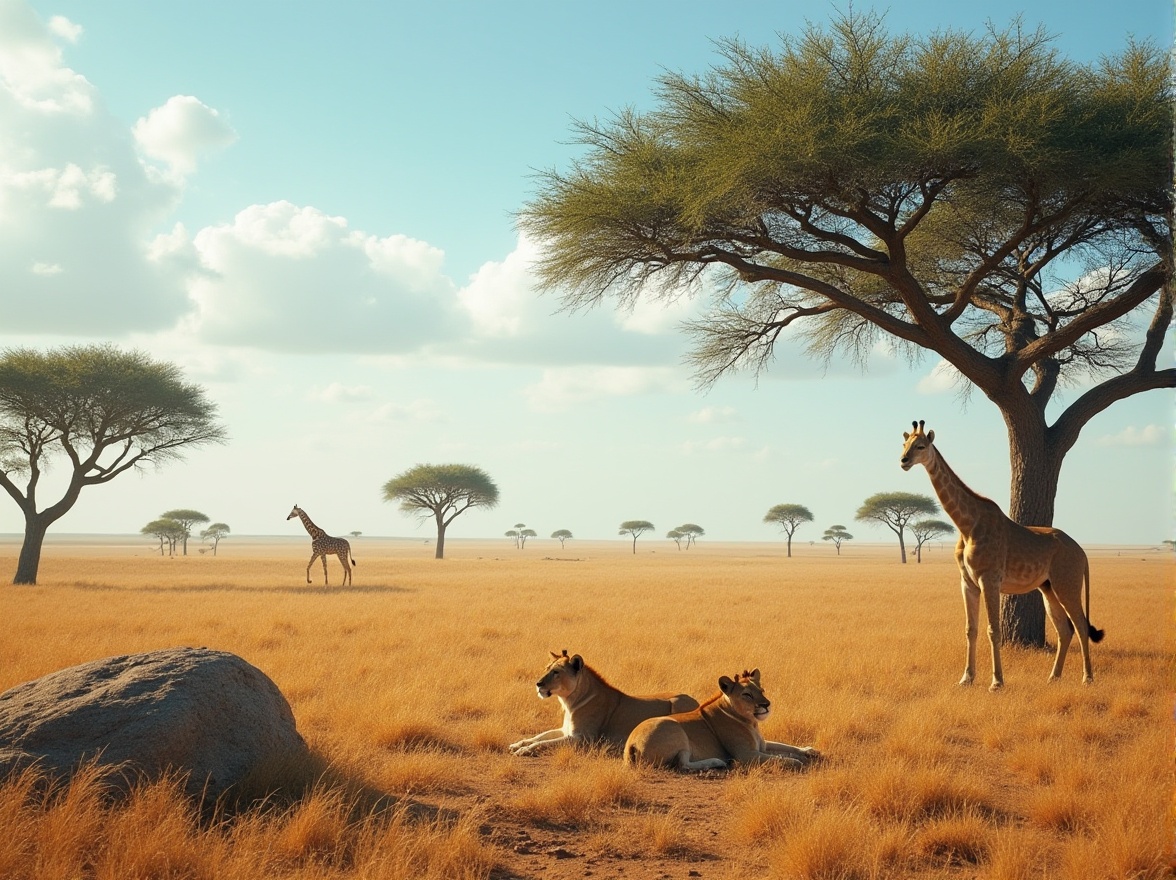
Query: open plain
pixel 409 684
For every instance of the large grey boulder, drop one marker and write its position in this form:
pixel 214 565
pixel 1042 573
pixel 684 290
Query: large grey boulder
pixel 205 713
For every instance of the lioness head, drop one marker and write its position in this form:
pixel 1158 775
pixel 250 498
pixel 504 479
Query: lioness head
pixel 559 678
pixel 744 694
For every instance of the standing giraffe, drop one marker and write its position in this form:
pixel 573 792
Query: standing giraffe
pixel 323 545
pixel 997 555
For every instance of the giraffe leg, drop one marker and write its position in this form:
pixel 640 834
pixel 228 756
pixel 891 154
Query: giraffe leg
pixel 990 590
pixel 1072 603
pixel 309 564
pixel 346 567
pixel 972 613
pixel 1064 628
pixel 326 578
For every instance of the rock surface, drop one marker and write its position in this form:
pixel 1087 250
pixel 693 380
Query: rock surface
pixel 206 713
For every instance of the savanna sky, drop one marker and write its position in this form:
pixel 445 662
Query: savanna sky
pixel 310 207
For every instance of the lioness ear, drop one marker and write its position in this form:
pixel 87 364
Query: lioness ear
pixel 930 436
pixel 725 684
pixel 577 663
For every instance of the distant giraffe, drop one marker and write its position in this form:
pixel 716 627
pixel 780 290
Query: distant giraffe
pixel 323 545
pixel 997 555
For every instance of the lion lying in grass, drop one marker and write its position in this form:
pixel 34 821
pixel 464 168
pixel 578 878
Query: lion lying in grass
pixel 723 729
pixel 594 710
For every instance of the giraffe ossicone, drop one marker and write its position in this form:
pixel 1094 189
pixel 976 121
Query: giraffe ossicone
pixel 996 555
pixel 323 545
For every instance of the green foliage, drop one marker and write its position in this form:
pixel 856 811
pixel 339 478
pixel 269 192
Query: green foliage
pixel 896 509
pixel 442 490
pixel 104 411
pixel 788 516
pixel 561 535
pixel 635 527
pixel 978 196
pixel 691 532
pixel 837 534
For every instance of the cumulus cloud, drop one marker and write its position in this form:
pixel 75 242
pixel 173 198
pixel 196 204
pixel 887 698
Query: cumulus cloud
pixel 942 379
pixel 62 27
pixel 560 388
pixel 289 278
pixel 181 131
pixel 32 74
pixel 1148 435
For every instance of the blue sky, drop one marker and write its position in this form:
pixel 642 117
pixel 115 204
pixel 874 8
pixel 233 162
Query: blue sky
pixel 309 207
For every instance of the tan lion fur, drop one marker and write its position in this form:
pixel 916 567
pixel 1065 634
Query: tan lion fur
pixel 723 729
pixel 594 710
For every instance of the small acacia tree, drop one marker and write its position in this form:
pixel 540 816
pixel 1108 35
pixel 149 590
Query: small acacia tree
pixel 894 510
pixel 442 491
pixel 836 534
pixel 925 530
pixel 561 535
pixel 214 534
pixel 676 535
pixel 186 518
pixel 168 531
pixel 636 528
pixel 102 410
pixel 691 532
pixel 789 517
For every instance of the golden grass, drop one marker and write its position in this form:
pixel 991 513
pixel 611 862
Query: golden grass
pixel 409 684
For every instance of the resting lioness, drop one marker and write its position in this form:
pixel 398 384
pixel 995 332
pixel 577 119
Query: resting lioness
pixel 594 710
pixel 723 729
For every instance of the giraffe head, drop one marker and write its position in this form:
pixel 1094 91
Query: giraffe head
pixel 294 512
pixel 916 448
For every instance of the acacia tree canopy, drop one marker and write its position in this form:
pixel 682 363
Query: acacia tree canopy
pixel 104 411
pixel 979 197
pixel 442 491
pixel 187 518
pixel 636 528
pixel 894 510
pixel 926 529
pixel 788 517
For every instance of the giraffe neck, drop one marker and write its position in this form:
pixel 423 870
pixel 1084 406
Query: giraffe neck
pixel 959 502
pixel 313 530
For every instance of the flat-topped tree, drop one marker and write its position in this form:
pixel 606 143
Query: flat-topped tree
pixel 187 518
pixel 214 534
pixel 895 510
pixel 691 532
pixel 925 530
pixel 102 412
pixel 636 528
pixel 442 491
pixel 837 534
pixel 975 196
pixel 561 535
pixel 788 517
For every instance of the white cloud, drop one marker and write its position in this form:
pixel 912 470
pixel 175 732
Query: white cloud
pixel 560 388
pixel 32 75
pixel 62 27
pixel 1149 435
pixel 942 379
pixel 710 415
pixel 286 278
pixel 46 269
pixel 181 131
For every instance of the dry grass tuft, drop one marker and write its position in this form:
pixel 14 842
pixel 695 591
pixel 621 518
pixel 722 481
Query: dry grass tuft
pixel 580 799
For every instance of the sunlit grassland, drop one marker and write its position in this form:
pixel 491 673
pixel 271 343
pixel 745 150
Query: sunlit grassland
pixel 411 682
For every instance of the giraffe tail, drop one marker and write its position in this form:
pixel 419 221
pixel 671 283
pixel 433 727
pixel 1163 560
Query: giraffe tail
pixel 1092 632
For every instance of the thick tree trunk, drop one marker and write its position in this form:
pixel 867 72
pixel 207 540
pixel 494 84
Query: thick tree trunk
pixel 1035 470
pixel 30 551
pixel 789 546
pixel 901 548
pixel 440 554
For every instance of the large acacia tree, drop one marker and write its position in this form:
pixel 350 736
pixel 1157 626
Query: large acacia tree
pixel 978 197
pixel 895 510
pixel 443 492
pixel 101 410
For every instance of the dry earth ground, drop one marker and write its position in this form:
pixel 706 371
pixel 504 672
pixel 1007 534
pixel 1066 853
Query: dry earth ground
pixel 411 682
